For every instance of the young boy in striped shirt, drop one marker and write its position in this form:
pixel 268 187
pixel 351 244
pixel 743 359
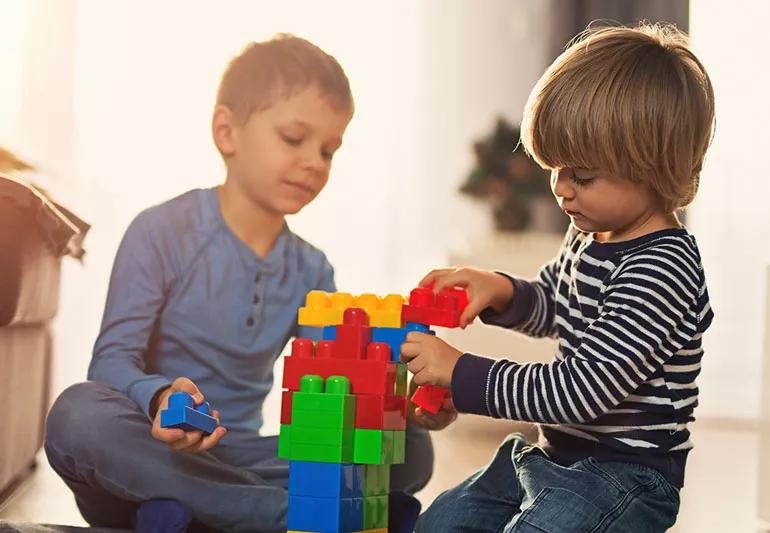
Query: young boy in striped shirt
pixel 622 119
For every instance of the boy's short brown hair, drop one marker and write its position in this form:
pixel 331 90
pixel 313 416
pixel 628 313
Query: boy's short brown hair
pixel 267 71
pixel 633 102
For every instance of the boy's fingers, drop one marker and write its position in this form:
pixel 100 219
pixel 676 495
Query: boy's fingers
pixel 190 439
pixel 209 441
pixel 471 312
pixel 432 275
pixel 186 385
pixel 448 404
pixel 168 435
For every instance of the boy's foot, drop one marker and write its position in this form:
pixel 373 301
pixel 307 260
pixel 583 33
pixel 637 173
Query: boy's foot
pixel 403 510
pixel 162 516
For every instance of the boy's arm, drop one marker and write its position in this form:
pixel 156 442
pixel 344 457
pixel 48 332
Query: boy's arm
pixel 532 310
pixel 647 315
pixel 136 295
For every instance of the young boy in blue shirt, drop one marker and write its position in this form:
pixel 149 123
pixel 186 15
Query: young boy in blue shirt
pixel 203 296
pixel 622 119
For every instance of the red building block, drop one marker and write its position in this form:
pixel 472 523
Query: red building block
pixel 374 375
pixel 353 335
pixel 442 309
pixel 286 407
pixel 380 412
pixel 429 397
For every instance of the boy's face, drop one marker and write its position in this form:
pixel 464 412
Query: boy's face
pixel 281 157
pixel 598 202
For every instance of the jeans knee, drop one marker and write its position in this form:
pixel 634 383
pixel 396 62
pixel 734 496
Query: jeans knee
pixel 76 416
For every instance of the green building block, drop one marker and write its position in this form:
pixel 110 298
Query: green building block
pixel 373 446
pixel 344 419
pixel 313 401
pixel 376 512
pixel 284 442
pixel 321 436
pixel 401 386
pixel 335 408
pixel 321 454
pixel 376 480
pixel 315 444
pixel 399 447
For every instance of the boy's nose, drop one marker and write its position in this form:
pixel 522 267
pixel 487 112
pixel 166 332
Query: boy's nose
pixel 560 185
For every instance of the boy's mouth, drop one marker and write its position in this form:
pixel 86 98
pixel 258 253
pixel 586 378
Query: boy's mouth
pixel 301 186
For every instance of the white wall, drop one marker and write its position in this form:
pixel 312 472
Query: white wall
pixel 731 218
pixel 133 85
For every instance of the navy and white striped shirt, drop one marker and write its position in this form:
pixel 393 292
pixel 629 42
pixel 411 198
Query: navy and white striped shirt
pixel 629 318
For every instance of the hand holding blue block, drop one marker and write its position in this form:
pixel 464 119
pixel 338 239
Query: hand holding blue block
pixel 183 414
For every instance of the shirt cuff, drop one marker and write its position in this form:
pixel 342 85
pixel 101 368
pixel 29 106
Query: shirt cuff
pixel 521 307
pixel 142 392
pixel 469 384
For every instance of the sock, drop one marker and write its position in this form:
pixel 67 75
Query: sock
pixel 162 516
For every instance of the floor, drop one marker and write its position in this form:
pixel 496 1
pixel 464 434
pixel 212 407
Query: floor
pixel 719 495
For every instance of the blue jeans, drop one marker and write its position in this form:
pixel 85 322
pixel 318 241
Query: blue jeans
pixel 523 490
pixel 99 442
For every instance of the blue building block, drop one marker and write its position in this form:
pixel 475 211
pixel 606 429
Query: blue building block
pixel 330 333
pixel 310 332
pixel 395 337
pixel 326 480
pixel 325 515
pixel 182 414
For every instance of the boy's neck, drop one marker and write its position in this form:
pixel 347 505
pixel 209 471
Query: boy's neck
pixel 257 228
pixel 640 228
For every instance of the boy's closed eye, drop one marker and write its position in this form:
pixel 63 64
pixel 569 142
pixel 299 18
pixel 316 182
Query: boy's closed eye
pixel 295 139
pixel 581 176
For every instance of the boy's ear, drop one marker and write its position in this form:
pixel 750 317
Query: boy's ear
pixel 223 129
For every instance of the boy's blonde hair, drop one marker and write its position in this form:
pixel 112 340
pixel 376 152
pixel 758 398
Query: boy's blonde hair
pixel 270 70
pixel 634 102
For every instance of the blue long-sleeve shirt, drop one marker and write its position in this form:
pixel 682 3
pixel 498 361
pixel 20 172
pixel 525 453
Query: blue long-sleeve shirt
pixel 188 298
pixel 629 318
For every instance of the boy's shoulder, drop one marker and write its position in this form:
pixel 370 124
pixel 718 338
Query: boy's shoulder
pixel 191 209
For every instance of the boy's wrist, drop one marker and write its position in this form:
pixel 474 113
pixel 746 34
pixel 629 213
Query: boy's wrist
pixel 158 399
pixel 503 293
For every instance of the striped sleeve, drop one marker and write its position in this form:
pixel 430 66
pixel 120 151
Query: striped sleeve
pixel 648 312
pixel 533 307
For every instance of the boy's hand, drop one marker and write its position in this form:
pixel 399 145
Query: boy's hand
pixel 430 359
pixel 190 441
pixel 484 288
pixel 440 420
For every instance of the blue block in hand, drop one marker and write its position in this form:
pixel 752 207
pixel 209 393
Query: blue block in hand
pixel 182 414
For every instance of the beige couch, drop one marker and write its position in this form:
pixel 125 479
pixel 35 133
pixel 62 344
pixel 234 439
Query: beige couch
pixel 34 234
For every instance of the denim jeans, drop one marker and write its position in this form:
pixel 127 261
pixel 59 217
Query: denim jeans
pixel 99 442
pixel 523 490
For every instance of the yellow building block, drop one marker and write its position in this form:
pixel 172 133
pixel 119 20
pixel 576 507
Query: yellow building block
pixel 324 309
pixel 383 312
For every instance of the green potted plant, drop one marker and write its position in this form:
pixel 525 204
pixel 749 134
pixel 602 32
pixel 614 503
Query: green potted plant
pixel 516 188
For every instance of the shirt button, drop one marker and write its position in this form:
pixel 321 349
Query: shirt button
pixel 250 321
pixel 255 300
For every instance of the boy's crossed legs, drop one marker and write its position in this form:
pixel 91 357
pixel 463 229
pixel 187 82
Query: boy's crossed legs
pixel 99 442
pixel 522 490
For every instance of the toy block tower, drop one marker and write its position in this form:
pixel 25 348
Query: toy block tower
pixel 343 412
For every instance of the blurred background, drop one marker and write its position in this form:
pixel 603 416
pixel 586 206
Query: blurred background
pixel 111 103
